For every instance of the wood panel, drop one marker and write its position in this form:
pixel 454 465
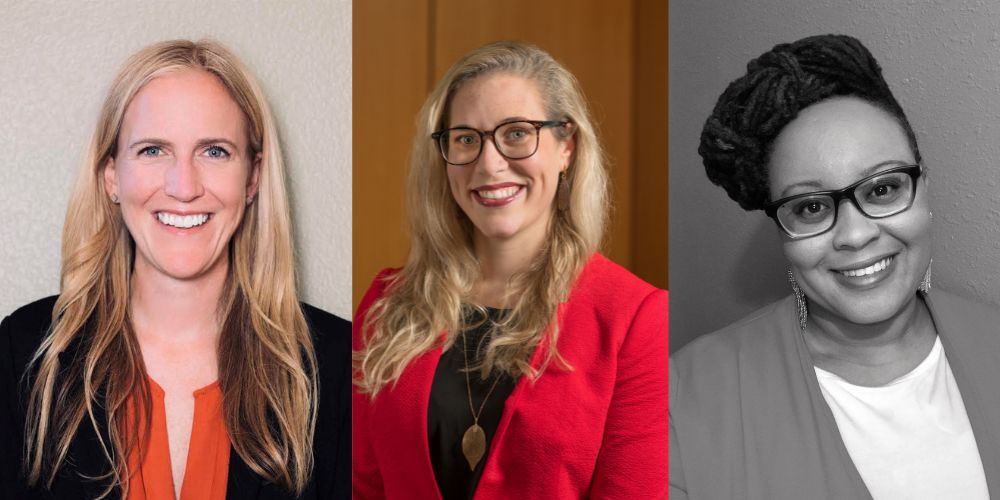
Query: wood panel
pixel 390 64
pixel 649 241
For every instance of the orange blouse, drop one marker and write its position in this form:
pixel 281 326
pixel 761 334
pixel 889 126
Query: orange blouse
pixel 207 469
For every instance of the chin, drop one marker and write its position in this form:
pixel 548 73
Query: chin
pixel 497 230
pixel 184 267
pixel 875 310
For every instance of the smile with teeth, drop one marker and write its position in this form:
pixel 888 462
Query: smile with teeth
pixel 498 194
pixel 182 221
pixel 867 271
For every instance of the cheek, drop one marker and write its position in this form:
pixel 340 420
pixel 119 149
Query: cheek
pixel 913 231
pixel 805 254
pixel 135 182
pixel 457 182
pixel 228 185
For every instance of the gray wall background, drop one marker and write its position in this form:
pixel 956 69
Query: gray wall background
pixel 57 59
pixel 942 61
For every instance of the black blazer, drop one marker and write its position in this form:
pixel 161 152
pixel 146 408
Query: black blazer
pixel 20 335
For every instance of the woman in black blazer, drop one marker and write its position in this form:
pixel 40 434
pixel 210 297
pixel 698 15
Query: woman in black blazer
pixel 177 359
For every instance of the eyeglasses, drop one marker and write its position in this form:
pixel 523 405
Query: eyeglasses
pixel 514 140
pixel 880 195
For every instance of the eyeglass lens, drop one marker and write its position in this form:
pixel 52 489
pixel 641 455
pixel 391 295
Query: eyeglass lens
pixel 515 141
pixel 880 196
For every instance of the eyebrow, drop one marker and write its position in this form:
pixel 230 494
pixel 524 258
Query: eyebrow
pixel 156 141
pixel 501 122
pixel 819 185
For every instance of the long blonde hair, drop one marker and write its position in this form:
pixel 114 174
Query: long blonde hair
pixel 426 297
pixel 267 365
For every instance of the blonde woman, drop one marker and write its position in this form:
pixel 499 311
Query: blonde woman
pixel 509 359
pixel 177 361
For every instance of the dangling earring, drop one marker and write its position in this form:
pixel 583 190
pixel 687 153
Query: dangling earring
pixel 114 198
pixel 925 284
pixel 562 192
pixel 249 200
pixel 800 301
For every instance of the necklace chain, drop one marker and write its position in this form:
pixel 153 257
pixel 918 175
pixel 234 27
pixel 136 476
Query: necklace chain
pixel 468 384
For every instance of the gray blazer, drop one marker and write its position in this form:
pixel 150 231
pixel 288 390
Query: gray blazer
pixel 748 420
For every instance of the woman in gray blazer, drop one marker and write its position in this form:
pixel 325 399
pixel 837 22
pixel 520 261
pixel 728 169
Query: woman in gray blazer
pixel 863 383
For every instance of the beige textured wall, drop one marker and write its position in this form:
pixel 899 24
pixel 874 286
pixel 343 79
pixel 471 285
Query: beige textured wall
pixel 56 61
pixel 942 61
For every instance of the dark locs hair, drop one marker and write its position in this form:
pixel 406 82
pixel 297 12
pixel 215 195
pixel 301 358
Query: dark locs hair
pixel 736 141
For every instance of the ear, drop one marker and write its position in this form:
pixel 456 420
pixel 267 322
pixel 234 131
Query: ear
pixel 567 146
pixel 253 181
pixel 110 179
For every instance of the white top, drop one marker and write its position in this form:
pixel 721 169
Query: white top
pixel 910 439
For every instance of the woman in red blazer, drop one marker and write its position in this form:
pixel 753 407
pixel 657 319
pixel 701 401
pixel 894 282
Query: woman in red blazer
pixel 509 359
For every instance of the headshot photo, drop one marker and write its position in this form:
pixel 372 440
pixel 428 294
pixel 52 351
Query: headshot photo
pixel 510 341
pixel 171 322
pixel 835 298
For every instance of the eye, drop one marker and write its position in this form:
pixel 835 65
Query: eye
pixel 150 151
pixel 516 133
pixel 217 152
pixel 885 190
pixel 466 139
pixel 811 209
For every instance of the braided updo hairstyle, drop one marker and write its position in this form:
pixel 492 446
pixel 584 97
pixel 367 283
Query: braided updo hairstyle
pixel 736 141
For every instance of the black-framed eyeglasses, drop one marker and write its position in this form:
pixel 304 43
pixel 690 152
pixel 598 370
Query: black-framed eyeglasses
pixel 514 140
pixel 879 195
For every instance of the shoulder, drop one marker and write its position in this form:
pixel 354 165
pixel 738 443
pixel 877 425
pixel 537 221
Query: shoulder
pixel 611 290
pixel 609 280
pixel 331 335
pixel 964 320
pixel 947 303
pixel 23 330
pixel 719 358
pixel 609 308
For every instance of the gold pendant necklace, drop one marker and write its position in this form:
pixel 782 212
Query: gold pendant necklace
pixel 474 439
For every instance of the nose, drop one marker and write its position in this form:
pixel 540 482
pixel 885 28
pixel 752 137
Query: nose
pixel 490 160
pixel 183 180
pixel 853 229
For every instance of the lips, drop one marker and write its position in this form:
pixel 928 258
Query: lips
pixel 497 195
pixel 866 273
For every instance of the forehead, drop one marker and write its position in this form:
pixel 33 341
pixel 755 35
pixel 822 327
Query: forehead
pixel 832 144
pixel 184 104
pixel 487 100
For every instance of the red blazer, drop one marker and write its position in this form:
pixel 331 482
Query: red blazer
pixel 597 431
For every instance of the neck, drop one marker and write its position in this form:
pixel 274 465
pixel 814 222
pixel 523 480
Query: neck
pixel 175 310
pixel 870 353
pixel 499 260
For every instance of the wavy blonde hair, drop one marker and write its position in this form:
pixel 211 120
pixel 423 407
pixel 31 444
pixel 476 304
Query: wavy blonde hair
pixel 426 297
pixel 267 365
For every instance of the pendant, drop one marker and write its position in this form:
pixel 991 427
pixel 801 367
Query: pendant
pixel 474 445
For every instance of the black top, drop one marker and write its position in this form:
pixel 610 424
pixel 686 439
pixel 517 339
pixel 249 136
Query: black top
pixel 20 335
pixel 449 413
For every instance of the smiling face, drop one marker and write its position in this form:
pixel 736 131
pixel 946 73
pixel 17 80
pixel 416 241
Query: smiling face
pixel 506 200
pixel 863 270
pixel 183 171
